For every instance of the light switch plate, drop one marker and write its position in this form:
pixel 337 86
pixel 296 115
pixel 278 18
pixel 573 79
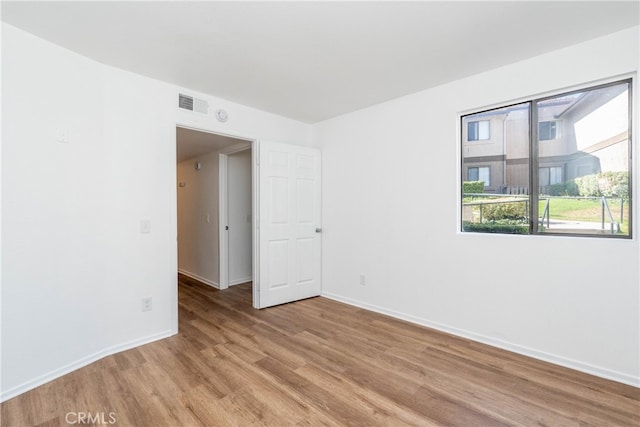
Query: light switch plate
pixel 145 226
pixel 62 135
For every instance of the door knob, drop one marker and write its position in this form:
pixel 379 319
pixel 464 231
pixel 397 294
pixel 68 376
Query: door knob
pixel 318 230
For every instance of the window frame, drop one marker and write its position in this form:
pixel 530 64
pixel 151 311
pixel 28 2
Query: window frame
pixel 533 159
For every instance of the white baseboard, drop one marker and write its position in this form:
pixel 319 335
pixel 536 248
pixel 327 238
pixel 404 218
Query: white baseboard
pixel 525 351
pixel 57 373
pixel 199 278
pixel 239 281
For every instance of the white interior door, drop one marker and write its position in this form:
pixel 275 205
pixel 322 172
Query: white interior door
pixel 289 223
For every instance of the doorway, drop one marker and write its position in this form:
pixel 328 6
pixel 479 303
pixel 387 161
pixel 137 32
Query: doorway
pixel 203 216
pixel 286 240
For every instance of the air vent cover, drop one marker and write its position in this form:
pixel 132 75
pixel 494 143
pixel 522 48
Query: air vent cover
pixel 190 103
pixel 185 102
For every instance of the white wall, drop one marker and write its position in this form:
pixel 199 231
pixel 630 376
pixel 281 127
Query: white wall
pixel 239 211
pixel 74 263
pixel 75 266
pixel 390 212
pixel 198 219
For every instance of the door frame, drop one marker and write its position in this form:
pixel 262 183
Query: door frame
pixel 254 146
pixel 223 210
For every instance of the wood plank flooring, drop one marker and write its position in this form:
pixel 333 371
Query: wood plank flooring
pixel 318 362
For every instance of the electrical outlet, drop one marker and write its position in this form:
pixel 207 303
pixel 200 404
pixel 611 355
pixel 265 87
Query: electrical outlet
pixel 147 304
pixel 363 280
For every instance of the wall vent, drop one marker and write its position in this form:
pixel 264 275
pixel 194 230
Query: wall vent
pixel 190 103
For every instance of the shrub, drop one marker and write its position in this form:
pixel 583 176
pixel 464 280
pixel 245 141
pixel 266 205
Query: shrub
pixel 608 184
pixel 504 227
pixel 473 187
pixel 507 210
pixel 567 188
pixel 588 185
pixel 614 184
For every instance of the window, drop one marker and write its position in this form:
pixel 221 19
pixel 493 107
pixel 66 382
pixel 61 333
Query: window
pixel 479 174
pixel 478 130
pixel 580 185
pixel 549 176
pixel 548 130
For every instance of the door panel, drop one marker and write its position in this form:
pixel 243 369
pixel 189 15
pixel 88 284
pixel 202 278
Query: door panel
pixel 289 203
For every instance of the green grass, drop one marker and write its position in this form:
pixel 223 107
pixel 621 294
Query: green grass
pixel 589 210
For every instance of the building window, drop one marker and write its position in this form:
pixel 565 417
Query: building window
pixel 580 185
pixel 548 130
pixel 479 174
pixel 549 176
pixel 478 130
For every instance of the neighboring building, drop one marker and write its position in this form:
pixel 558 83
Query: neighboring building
pixel 572 141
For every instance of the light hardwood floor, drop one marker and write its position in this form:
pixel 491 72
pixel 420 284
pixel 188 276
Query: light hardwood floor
pixel 318 362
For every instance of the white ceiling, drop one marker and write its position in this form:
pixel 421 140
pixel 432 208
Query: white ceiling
pixel 313 60
pixel 192 143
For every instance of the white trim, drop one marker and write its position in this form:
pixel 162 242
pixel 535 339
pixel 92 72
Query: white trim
pixel 236 148
pixel 248 142
pixel 203 127
pixel 525 351
pixel 223 215
pixel 57 373
pixel 199 278
pixel 255 219
pixel 173 237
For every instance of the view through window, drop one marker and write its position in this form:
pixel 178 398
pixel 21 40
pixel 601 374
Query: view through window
pixel 570 173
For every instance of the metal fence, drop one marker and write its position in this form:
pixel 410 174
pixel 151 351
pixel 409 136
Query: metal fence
pixel 480 200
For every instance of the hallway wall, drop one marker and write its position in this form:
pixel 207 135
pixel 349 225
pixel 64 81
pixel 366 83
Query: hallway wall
pixel 198 218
